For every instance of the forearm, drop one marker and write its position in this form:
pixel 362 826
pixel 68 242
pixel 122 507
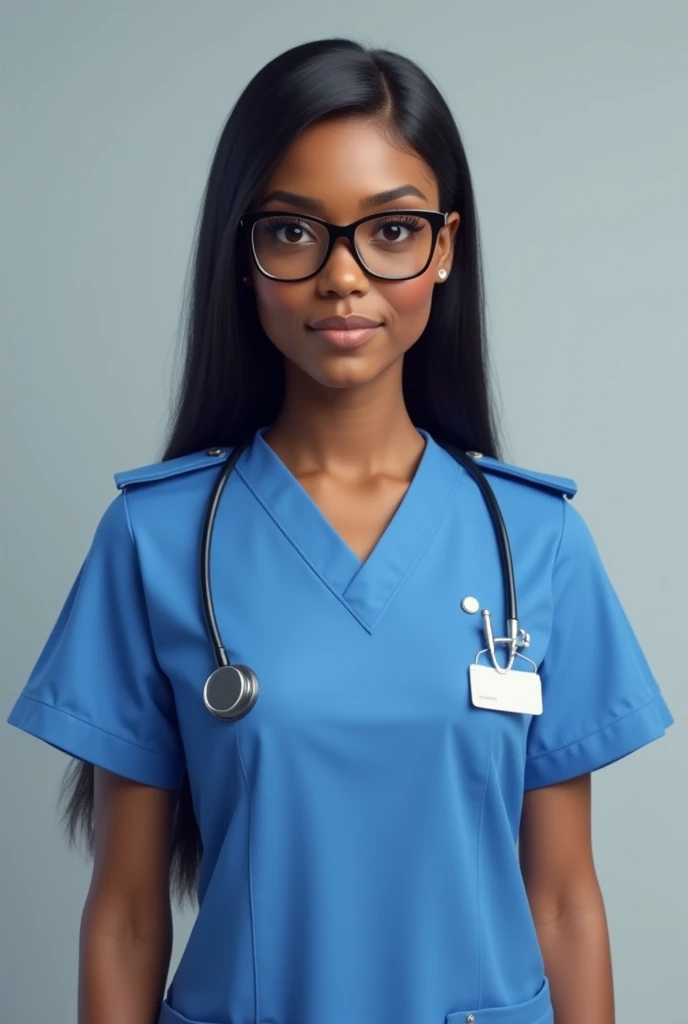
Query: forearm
pixel 576 951
pixel 122 973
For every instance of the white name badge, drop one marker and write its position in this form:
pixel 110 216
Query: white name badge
pixel 515 691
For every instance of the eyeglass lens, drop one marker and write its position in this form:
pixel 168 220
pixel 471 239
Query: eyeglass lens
pixel 392 245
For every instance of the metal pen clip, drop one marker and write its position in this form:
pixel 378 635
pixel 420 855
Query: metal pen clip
pixel 517 638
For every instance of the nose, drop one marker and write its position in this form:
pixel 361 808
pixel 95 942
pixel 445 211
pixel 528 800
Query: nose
pixel 342 272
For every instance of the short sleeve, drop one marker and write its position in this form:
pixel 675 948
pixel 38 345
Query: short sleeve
pixel 600 698
pixel 97 691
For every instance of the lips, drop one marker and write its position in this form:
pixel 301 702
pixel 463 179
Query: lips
pixel 343 323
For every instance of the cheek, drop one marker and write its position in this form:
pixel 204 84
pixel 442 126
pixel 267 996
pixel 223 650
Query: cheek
pixel 414 296
pixel 276 298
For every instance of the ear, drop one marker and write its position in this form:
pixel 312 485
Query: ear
pixel 445 241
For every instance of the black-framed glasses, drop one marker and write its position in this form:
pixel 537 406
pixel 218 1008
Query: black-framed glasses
pixel 395 245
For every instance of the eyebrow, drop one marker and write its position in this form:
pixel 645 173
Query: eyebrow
pixel 379 199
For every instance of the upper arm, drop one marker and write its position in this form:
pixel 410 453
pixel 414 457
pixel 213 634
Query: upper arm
pixel 131 868
pixel 601 700
pixel 555 848
pixel 125 938
pixel 97 690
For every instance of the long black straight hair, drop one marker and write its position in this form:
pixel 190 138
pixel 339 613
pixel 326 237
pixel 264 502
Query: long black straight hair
pixel 232 380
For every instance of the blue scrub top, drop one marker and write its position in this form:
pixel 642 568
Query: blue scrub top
pixel 359 824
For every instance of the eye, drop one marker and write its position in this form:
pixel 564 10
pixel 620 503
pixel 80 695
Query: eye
pixel 295 230
pixel 393 228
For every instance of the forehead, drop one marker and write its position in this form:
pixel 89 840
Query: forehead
pixel 342 161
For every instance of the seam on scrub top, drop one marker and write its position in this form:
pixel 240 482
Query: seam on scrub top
pixel 421 552
pixel 144 601
pixel 488 773
pixel 148 750
pixel 250 881
pixel 300 550
pixel 128 518
pixel 551 578
pixel 602 728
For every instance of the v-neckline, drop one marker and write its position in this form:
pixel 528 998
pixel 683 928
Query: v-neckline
pixel 366 587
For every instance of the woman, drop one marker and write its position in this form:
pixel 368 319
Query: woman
pixel 351 831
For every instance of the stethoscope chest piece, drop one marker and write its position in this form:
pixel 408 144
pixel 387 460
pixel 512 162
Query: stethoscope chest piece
pixel 230 691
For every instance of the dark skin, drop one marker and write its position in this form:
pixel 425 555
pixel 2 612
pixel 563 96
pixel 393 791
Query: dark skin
pixel 343 430
pixel 126 925
pixel 345 435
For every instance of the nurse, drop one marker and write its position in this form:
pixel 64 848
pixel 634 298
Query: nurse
pixel 351 837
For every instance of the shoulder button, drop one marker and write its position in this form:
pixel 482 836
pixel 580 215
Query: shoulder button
pixel 547 481
pixel 171 467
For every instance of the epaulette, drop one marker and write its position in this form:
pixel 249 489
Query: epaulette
pixel 172 467
pixel 214 456
pixel 561 484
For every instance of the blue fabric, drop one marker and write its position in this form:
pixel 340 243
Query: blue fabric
pixel 359 824
pixel 97 690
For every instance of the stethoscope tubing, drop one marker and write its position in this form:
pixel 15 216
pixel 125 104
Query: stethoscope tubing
pixel 243 679
pixel 498 523
pixel 219 651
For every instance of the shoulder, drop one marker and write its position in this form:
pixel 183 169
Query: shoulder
pixel 539 515
pixel 525 479
pixel 533 502
pixel 205 458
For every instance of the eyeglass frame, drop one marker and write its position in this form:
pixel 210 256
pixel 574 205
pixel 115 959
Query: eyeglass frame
pixel 436 219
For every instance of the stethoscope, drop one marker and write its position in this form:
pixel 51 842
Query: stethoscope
pixel 230 691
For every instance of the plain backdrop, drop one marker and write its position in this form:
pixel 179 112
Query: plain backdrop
pixel 574 120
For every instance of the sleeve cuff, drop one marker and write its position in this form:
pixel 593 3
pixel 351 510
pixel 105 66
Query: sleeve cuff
pixel 90 743
pixel 600 748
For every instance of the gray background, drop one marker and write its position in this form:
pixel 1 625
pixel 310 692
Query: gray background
pixel 574 120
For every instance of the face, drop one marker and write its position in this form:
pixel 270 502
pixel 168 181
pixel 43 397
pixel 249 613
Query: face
pixel 336 165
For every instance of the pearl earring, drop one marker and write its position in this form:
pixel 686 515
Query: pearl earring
pixel 442 273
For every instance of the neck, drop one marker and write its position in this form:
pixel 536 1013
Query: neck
pixel 352 431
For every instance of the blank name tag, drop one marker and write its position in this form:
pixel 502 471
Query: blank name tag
pixel 515 691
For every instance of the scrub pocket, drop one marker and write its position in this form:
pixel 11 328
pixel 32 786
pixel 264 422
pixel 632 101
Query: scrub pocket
pixel 537 1010
pixel 169 1016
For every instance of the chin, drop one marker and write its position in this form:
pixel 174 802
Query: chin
pixel 338 371
pixel 345 377
pixel 343 369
